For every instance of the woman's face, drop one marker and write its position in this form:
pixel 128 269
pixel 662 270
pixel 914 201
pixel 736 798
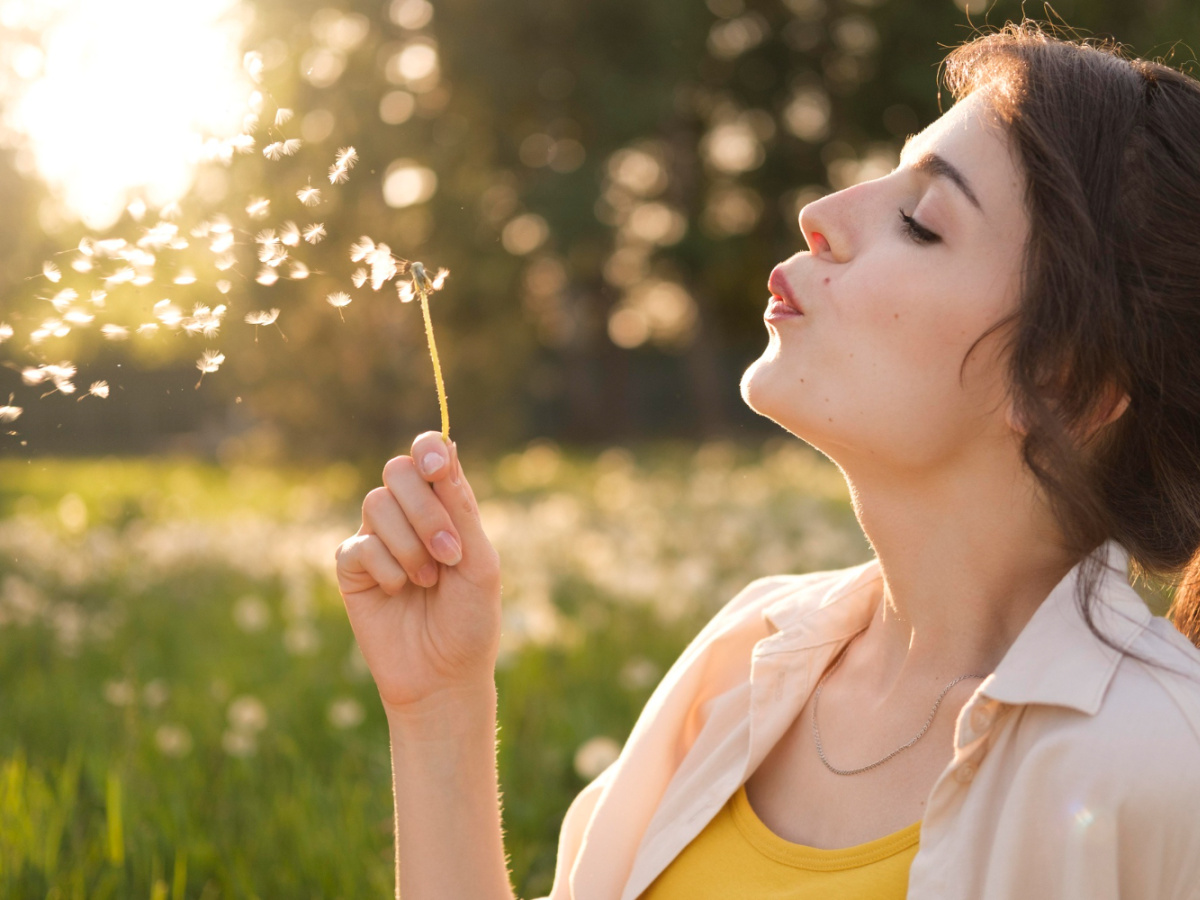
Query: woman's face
pixel 890 308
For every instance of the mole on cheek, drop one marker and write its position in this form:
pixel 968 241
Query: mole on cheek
pixel 827 281
pixel 895 315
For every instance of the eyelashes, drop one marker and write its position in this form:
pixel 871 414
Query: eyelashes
pixel 916 230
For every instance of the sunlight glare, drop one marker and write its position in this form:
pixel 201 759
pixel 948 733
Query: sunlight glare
pixel 127 91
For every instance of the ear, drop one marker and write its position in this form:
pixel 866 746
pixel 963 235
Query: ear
pixel 1112 405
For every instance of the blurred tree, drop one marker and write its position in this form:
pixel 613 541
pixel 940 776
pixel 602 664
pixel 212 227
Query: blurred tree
pixel 609 185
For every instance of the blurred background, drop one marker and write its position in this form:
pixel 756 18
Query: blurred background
pixel 183 712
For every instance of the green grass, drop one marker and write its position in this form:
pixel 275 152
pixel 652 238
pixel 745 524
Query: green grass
pixel 142 602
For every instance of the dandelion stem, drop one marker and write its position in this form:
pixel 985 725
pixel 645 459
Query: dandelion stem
pixel 433 354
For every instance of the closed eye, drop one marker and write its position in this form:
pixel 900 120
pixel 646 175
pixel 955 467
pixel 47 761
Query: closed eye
pixel 916 230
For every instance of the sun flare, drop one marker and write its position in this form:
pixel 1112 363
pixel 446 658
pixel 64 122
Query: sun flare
pixel 113 99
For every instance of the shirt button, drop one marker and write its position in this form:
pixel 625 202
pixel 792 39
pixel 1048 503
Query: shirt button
pixel 964 773
pixel 982 718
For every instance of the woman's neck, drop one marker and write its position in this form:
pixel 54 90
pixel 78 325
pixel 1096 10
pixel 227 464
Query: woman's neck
pixel 966 559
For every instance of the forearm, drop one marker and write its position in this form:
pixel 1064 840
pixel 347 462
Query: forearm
pixel 449 841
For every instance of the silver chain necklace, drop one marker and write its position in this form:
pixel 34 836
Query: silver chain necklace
pixel 920 734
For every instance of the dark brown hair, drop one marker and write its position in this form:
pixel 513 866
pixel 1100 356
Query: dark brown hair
pixel 1110 301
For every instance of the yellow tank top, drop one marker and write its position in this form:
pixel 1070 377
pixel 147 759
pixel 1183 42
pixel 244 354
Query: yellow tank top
pixel 736 855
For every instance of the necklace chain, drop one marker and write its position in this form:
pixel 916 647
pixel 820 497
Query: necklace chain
pixel 880 762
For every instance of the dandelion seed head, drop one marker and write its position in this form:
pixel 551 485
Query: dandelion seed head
pixel 283 115
pixel 289 234
pixel 113 332
pixel 313 233
pixel 339 299
pixel 262 317
pixel 359 278
pixel 99 389
pixel 51 271
pixel 258 208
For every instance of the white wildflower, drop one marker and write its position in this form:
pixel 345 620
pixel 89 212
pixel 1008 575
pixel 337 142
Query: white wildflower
pixel 173 740
pixel 247 714
pixel 346 712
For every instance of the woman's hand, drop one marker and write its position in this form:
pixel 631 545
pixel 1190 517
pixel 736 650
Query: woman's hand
pixel 421 582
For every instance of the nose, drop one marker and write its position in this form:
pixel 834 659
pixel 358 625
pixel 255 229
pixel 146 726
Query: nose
pixel 819 223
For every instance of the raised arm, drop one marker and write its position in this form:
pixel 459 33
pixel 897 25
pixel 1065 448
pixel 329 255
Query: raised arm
pixel 421 584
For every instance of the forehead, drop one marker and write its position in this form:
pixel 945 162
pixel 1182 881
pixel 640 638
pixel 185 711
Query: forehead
pixel 973 139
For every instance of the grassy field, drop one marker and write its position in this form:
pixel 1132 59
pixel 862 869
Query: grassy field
pixel 183 712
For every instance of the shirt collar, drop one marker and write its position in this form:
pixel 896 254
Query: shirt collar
pixel 1056 660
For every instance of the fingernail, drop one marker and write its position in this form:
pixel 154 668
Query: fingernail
pixel 431 462
pixel 427 576
pixel 456 475
pixel 446 548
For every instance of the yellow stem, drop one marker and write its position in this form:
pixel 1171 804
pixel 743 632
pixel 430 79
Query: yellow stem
pixel 437 366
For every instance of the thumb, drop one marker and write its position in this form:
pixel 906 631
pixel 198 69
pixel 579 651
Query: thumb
pixel 459 500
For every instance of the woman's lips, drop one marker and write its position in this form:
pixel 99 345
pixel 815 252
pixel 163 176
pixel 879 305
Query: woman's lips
pixel 779 288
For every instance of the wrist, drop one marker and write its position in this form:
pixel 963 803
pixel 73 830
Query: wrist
pixel 449 714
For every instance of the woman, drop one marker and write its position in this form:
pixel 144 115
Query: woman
pixel 996 344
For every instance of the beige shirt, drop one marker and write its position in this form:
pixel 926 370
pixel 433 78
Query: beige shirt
pixel 1076 772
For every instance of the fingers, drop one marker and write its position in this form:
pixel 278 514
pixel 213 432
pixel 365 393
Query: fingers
pixel 439 464
pixel 364 562
pixel 384 518
pixel 422 509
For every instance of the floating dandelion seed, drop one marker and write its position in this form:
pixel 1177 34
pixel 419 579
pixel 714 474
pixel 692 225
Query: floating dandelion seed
pixel 224 286
pixel 346 157
pixel 79 317
pixel 360 248
pixel 273 151
pixel 10 413
pixel 224 241
pixel 82 265
pixel 208 363
pixel 338 175
pixel 114 332
pixel 338 300
pixel 6 332
pixel 283 115
pixel 289 234
pixel 298 272
pixel 51 271
pixel 97 389
pixel 359 278
pixel 64 298
pixel 97 298
pixel 253 63
pixel 267 276
pixel 185 276
pixel 147 328
pixel 309 196
pixel 241 143
pixel 258 208
pixel 136 209
pixel 264 317
pixel 255 102
pixel 313 233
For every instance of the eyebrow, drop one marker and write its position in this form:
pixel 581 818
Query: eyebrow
pixel 939 166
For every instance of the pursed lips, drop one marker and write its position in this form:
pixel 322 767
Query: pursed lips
pixel 779 287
